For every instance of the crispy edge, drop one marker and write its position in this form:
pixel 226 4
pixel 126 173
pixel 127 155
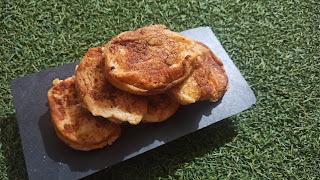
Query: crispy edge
pixel 219 62
pixel 184 99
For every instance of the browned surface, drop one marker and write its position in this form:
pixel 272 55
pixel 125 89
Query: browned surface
pixel 148 60
pixel 160 108
pixel 100 97
pixel 208 81
pixel 73 124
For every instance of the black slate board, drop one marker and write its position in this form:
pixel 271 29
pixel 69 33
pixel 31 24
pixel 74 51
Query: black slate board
pixel 48 158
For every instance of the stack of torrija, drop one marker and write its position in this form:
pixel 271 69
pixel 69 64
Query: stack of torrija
pixel 140 76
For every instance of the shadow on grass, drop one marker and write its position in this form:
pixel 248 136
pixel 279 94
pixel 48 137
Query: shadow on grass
pixel 11 148
pixel 165 160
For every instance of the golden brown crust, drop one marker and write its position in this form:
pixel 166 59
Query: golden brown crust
pixel 149 60
pixel 73 124
pixel 208 81
pixel 160 108
pixel 100 97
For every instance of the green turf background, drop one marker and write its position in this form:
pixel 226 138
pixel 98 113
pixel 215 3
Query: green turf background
pixel 275 44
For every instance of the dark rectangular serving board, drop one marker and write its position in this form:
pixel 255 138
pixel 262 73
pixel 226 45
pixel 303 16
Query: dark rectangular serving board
pixel 48 158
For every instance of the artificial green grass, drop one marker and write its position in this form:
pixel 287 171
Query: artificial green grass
pixel 275 44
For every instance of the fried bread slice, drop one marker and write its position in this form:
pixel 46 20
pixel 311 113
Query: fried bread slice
pixel 73 124
pixel 103 99
pixel 160 108
pixel 208 81
pixel 149 60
